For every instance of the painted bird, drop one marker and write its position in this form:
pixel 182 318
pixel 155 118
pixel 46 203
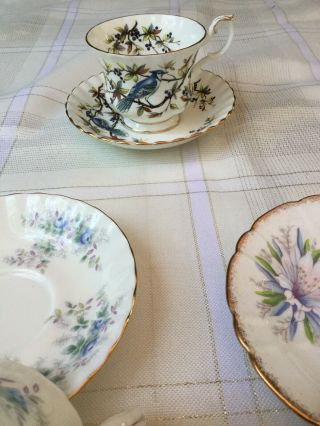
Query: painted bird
pixel 143 89
pixel 103 124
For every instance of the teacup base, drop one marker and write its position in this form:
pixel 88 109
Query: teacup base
pixel 153 127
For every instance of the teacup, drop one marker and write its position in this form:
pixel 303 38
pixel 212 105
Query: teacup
pixel 149 66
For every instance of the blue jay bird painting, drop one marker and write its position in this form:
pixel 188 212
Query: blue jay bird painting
pixel 143 89
pixel 103 124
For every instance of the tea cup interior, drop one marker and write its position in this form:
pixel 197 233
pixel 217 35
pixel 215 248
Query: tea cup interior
pixel 145 34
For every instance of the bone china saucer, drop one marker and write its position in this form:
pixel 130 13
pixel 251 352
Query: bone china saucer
pixel 209 102
pixel 67 285
pixel 273 290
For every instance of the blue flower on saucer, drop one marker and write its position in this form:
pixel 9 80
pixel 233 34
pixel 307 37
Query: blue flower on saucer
pixel 89 345
pixel 85 236
pixel 97 326
pixel 60 223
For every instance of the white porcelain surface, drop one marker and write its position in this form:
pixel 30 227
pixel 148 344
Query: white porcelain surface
pixel 27 398
pixel 67 283
pixel 274 295
pixel 185 33
pixel 147 61
pixel 212 100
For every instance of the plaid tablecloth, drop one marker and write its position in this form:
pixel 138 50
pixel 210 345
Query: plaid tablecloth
pixel 182 209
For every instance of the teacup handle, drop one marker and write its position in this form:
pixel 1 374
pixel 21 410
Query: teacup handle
pixel 212 30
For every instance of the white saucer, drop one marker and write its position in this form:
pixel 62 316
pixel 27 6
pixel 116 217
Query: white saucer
pixel 67 285
pixel 212 100
pixel 273 290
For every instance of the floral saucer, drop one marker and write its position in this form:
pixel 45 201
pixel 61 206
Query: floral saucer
pixel 67 286
pixel 209 101
pixel 273 290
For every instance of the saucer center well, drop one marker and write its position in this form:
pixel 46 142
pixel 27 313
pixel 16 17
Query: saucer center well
pixel 25 305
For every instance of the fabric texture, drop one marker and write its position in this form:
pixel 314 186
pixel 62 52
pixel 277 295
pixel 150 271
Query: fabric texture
pixel 182 209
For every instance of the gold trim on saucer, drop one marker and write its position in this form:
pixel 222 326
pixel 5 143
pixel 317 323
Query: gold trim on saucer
pixel 141 142
pixel 257 363
pixel 133 301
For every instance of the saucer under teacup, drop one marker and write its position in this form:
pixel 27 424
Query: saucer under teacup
pixel 209 102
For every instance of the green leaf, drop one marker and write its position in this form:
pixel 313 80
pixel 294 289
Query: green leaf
pixel 103 312
pixel 173 106
pixel 140 111
pixel 135 78
pixel 119 29
pixel 83 258
pixel 57 312
pixel 70 349
pixel 267 293
pixel 75 328
pixel 266 265
pixel 128 76
pixel 308 330
pixel 80 343
pixel 137 50
pixel 274 253
pixel 107 66
pixel 145 29
pixel 121 66
pixel 306 246
pixel 81 319
pixel 81 305
pixel 315 255
pixel 274 300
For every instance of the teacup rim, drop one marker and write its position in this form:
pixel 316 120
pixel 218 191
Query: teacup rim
pixel 148 54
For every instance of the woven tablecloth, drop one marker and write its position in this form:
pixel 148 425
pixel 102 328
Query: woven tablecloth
pixel 183 209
